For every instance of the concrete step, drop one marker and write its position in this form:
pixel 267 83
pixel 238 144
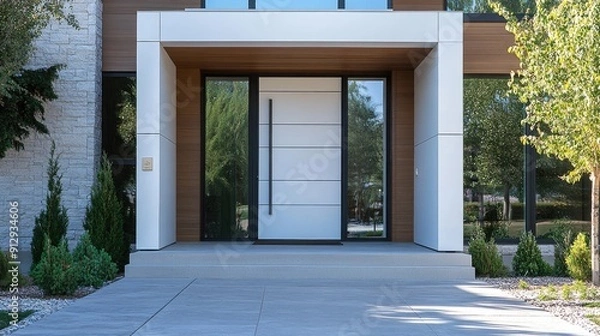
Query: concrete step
pixel 287 272
pixel 374 260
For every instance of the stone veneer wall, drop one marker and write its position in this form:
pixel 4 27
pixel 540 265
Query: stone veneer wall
pixel 74 122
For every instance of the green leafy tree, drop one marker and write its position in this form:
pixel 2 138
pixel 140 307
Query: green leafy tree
pixel 226 171
pixel 482 6
pixel 365 150
pixel 104 216
pixel 22 110
pixel 560 83
pixel 492 131
pixel 53 220
pixel 23 92
pixel 21 22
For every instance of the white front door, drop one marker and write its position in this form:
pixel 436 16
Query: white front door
pixel 300 158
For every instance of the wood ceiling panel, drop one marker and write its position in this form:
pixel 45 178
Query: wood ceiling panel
pixel 255 59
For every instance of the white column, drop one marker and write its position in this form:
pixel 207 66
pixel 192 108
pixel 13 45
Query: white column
pixel 156 138
pixel 438 141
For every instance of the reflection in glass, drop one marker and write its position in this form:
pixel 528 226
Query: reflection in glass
pixel 366 4
pixel 493 159
pixel 226 4
pixel 119 141
pixel 482 6
pixel 226 159
pixel 366 163
pixel 296 4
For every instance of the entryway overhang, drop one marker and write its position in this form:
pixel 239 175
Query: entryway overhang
pixel 428 43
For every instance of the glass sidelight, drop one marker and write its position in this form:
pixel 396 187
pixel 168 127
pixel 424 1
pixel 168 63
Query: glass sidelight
pixel 366 153
pixel 226 154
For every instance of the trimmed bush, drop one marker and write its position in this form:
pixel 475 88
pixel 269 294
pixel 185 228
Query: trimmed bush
pixel 104 216
pixel 55 273
pixel 563 238
pixel 93 265
pixel 52 221
pixel 579 259
pixel 528 258
pixel 486 259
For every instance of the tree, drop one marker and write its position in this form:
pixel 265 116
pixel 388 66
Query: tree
pixel 559 80
pixel 492 131
pixel 365 151
pixel 21 22
pixel 226 172
pixel 104 216
pixel 23 92
pixel 53 221
pixel 23 107
pixel 482 6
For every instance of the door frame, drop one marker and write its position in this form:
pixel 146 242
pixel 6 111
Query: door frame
pixel 253 148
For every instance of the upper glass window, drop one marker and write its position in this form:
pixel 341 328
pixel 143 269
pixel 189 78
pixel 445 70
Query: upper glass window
pixel 366 4
pixel 296 4
pixel 226 4
pixel 482 6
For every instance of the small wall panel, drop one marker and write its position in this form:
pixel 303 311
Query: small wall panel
pixel 402 156
pixel 188 154
pixel 119 29
pixel 486 49
pixel 418 5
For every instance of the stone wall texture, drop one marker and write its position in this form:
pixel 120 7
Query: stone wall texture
pixel 74 121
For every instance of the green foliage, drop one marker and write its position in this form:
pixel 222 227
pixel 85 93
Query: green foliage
pixel 578 260
pixel 548 293
pixel 94 266
pixel 563 236
pixel 482 6
pixel 21 22
pixel 52 222
pixel 6 317
pixel 104 216
pixel 55 273
pixel 365 154
pixel 493 153
pixel 523 284
pixel 22 110
pixel 558 80
pixel 486 259
pixel 528 258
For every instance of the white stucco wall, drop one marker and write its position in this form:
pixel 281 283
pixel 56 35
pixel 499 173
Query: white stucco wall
pixel 74 122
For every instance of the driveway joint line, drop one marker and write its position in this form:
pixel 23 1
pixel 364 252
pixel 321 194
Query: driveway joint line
pixel 164 306
pixel 262 303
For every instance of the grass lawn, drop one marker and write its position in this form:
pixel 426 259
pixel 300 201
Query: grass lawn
pixel 5 318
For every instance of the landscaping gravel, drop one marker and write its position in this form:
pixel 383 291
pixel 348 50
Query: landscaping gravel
pixel 32 298
pixel 572 310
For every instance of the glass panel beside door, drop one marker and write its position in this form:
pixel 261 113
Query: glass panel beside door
pixel 366 152
pixel 226 180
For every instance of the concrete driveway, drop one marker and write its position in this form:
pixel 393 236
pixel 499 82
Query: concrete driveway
pixel 270 308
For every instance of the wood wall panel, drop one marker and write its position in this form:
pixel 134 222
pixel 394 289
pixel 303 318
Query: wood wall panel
pixel 402 165
pixel 188 154
pixel 412 5
pixel 119 29
pixel 486 49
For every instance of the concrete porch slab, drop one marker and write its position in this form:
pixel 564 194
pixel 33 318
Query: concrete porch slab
pixel 352 260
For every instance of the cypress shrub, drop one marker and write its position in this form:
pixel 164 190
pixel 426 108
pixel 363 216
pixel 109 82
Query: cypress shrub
pixel 104 216
pixel 55 273
pixel 53 220
pixel 579 259
pixel 528 260
pixel 485 257
pixel 94 266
